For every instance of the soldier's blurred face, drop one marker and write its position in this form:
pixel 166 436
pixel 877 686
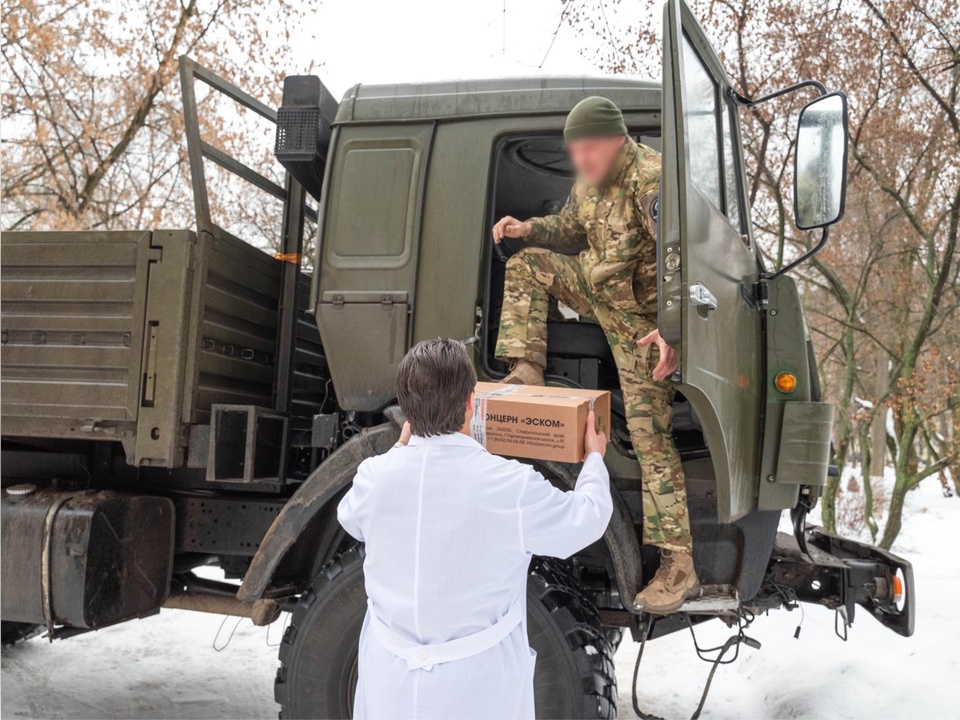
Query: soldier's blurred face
pixel 593 158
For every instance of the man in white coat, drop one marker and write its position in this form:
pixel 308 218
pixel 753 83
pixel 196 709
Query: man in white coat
pixel 449 532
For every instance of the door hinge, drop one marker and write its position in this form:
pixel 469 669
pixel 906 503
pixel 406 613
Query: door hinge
pixel 761 294
pixel 338 302
pixel 386 302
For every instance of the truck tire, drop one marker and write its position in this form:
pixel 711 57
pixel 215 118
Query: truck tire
pixel 14 632
pixel 575 676
pixel 318 655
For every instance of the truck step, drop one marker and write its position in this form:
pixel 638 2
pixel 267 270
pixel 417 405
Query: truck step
pixel 714 600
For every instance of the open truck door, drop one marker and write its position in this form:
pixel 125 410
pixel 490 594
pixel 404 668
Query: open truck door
pixel 707 260
pixel 740 329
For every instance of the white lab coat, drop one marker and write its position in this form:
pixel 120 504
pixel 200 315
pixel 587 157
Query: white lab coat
pixel 449 532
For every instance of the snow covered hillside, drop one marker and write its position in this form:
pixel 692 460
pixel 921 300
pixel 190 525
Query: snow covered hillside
pixel 166 666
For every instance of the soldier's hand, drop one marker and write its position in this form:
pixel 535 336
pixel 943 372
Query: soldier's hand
pixel 508 227
pixel 668 355
pixel 594 441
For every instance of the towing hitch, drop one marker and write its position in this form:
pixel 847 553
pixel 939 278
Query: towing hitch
pixel 840 574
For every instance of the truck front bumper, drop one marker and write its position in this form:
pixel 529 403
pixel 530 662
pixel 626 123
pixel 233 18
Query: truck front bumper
pixel 840 573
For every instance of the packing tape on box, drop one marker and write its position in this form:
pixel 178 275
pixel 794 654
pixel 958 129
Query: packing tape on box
pixel 478 423
pixel 505 390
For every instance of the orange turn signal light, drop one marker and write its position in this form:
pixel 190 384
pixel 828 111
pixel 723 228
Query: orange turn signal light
pixel 786 382
pixel 897 589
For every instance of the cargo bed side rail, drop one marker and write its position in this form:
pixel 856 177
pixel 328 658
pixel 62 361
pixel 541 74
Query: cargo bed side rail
pixel 295 208
pixel 198 149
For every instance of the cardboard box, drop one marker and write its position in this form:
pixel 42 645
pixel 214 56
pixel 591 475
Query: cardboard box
pixel 535 422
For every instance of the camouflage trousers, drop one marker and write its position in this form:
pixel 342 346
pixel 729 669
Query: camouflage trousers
pixel 535 274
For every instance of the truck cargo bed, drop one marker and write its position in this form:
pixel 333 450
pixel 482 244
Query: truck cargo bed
pixel 72 329
pixel 133 336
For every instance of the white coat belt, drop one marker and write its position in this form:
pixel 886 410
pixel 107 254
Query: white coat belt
pixel 426 656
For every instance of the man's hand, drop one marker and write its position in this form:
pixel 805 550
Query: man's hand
pixel 405 434
pixel 668 356
pixel 509 227
pixel 594 441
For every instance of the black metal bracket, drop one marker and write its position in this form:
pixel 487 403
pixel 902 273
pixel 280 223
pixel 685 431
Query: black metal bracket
pixel 803 258
pixel 744 101
pixel 798 517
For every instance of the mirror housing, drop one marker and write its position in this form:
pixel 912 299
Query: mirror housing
pixel 820 169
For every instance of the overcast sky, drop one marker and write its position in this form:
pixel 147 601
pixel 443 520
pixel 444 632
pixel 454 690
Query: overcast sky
pixel 372 41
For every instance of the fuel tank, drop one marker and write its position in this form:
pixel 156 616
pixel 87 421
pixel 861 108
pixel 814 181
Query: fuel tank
pixel 83 559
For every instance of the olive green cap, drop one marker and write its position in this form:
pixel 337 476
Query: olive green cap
pixel 594 117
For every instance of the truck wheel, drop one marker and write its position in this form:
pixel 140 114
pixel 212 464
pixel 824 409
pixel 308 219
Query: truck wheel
pixel 14 632
pixel 575 677
pixel 318 655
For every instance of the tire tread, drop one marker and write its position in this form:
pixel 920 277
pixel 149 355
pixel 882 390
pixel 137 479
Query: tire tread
pixel 579 621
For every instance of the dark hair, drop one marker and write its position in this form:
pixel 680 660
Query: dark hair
pixel 433 383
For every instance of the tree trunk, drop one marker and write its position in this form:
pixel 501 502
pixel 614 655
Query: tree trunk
pixel 906 475
pixel 829 499
pixel 878 428
pixel 895 511
pixel 842 435
pixel 866 473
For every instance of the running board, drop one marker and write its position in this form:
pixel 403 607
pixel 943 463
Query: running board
pixel 714 600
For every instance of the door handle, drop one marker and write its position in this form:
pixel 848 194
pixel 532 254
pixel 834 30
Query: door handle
pixel 701 297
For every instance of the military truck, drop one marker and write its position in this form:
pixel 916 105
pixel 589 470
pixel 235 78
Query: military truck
pixel 174 399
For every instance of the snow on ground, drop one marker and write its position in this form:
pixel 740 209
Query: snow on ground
pixel 166 666
pixel 876 674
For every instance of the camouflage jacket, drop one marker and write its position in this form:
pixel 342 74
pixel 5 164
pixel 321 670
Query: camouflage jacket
pixel 618 223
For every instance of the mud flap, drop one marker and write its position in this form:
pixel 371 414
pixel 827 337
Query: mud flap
pixel 802 455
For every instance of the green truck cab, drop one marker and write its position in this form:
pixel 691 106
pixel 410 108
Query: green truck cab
pixel 175 399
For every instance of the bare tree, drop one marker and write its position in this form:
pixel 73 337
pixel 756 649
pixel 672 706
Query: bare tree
pixel 92 126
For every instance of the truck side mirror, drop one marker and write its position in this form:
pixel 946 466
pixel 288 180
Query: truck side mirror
pixel 820 173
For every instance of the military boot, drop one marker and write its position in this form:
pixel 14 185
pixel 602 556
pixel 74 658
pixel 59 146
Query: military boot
pixel 675 582
pixel 524 372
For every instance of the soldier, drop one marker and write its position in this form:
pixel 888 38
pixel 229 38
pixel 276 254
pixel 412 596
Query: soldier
pixel 613 209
